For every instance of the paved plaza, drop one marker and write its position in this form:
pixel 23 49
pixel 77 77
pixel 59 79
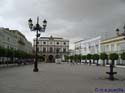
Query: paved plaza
pixel 59 78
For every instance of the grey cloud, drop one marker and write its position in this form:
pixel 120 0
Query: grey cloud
pixel 72 19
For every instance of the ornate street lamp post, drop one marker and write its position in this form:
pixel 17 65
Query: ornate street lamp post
pixel 38 29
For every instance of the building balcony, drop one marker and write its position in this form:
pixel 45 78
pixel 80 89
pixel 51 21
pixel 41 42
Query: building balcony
pixel 52 52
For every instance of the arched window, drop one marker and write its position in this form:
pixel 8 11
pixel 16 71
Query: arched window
pixel 44 43
pixel 51 49
pixel 57 50
pixel 64 49
pixel 57 43
pixel 44 49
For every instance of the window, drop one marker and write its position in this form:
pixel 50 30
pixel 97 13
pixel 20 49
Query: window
pixel 57 43
pixel 8 39
pixel 44 49
pixel 57 50
pixel 50 43
pixel 64 43
pixel 64 49
pixel 44 43
pixel 51 49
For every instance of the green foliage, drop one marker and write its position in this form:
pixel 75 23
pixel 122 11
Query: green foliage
pixel 83 57
pixel 66 57
pixel 40 57
pixel 113 56
pixel 2 52
pixel 95 57
pixel 75 57
pixel 103 56
pixel 71 57
pixel 79 57
pixel 89 56
pixel 122 55
pixel 5 52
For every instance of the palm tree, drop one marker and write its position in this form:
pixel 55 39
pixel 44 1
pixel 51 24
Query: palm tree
pixel 103 56
pixel 89 57
pixel 96 57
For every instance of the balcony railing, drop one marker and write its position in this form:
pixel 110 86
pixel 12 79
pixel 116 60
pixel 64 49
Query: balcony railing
pixel 53 52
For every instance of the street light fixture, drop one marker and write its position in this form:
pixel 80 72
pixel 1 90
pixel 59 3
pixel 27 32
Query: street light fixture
pixel 38 29
pixel 117 31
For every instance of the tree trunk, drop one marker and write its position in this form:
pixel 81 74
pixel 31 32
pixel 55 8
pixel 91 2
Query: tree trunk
pixel 90 61
pixel 103 62
pixel 93 61
pixel 107 62
pixel 97 63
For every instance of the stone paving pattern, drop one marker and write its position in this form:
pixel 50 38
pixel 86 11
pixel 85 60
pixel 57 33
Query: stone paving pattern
pixel 58 78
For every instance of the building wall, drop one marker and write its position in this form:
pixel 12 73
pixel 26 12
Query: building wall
pixel 8 39
pixel 113 45
pixel 85 47
pixel 13 39
pixel 57 47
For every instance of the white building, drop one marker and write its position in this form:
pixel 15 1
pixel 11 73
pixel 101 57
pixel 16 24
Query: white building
pixel 113 45
pixel 71 52
pixel 13 39
pixel 53 48
pixel 90 46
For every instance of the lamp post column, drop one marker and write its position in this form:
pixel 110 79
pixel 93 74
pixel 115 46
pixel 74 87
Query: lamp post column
pixel 36 55
pixel 38 29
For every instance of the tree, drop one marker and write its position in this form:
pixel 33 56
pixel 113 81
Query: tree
pixel 84 58
pixel 96 57
pixel 113 57
pixel 75 58
pixel 89 57
pixel 2 54
pixel 40 58
pixel 66 57
pixel 122 55
pixel 71 58
pixel 2 51
pixel 79 57
pixel 103 56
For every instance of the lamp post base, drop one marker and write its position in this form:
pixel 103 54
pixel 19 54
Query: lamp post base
pixel 35 70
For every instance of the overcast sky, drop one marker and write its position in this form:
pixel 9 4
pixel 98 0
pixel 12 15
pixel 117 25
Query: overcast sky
pixel 71 19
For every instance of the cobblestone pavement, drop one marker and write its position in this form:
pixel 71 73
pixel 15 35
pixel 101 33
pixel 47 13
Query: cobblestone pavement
pixel 59 78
